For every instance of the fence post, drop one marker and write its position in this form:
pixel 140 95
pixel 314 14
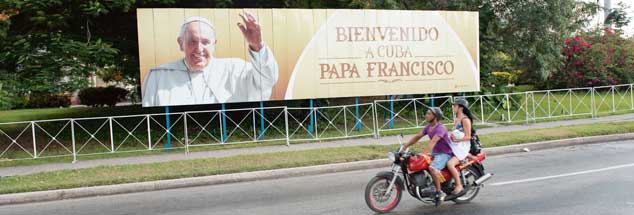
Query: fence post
pixel 482 109
pixel 288 139
pixel 613 103
pixel 185 115
pixel 415 113
pixel 391 123
pixel 548 99
pixel 508 108
pixel 345 123
pixel 570 98
pixel 632 95
pixel 375 121
pixel 255 136
pixel 111 135
pixel 451 99
pixel 72 135
pixel 149 134
pixel 262 127
pixel 533 99
pixel 526 106
pixel 34 142
pixel 592 108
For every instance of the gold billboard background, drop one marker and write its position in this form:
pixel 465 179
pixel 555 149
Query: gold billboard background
pixel 288 33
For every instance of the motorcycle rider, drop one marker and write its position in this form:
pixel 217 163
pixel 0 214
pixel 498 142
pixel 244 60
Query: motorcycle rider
pixel 438 146
pixel 460 145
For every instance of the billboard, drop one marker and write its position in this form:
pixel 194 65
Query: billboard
pixel 205 56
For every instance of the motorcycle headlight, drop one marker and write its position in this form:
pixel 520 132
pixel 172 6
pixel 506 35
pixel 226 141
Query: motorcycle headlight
pixel 391 156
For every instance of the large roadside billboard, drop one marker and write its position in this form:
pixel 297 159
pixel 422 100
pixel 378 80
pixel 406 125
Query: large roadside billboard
pixel 205 56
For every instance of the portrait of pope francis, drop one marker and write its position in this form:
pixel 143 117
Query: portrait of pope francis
pixel 201 78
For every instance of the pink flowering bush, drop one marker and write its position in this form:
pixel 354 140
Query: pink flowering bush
pixel 596 58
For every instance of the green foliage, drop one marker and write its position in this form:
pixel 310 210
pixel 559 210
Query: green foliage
pixel 52 46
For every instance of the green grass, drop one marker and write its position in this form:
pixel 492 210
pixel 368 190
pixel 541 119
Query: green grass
pixel 75 112
pixel 105 175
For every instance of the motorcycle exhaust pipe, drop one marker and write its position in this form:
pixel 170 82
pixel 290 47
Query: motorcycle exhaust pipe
pixel 483 179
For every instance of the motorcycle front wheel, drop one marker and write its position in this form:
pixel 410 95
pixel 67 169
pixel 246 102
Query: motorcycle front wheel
pixel 375 194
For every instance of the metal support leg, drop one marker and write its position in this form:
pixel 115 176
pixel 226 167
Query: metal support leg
pixel 168 125
pixel 223 119
pixel 356 113
pixel 311 122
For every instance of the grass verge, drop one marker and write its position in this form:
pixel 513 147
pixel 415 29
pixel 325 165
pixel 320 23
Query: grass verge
pixel 105 175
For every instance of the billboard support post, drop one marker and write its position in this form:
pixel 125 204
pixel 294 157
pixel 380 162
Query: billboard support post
pixel 262 129
pixel 223 119
pixel 312 118
pixel 168 125
pixel 432 101
pixel 391 111
pixel 356 113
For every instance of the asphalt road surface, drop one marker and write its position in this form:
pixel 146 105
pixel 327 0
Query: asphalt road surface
pixel 588 179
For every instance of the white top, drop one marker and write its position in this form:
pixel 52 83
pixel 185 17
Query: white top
pixel 223 80
pixel 460 149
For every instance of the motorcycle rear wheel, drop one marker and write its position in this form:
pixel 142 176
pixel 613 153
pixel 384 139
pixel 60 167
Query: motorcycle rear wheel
pixel 471 175
pixel 374 194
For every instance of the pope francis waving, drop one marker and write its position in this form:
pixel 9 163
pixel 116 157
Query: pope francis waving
pixel 201 78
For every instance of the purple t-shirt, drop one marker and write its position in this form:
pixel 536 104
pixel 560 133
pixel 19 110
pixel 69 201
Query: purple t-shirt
pixel 442 146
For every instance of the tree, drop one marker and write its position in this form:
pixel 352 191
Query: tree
pixel 51 46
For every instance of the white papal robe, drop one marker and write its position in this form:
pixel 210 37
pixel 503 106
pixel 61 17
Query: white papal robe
pixel 223 80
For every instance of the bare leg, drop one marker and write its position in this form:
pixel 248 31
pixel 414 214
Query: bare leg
pixel 434 176
pixel 472 157
pixel 451 166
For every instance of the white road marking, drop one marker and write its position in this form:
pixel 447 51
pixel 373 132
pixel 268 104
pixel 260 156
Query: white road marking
pixel 562 175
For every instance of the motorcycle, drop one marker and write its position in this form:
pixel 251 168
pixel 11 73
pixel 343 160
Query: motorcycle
pixel 410 172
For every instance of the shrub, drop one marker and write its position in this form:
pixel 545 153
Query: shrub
pixel 596 58
pixel 100 96
pixel 48 100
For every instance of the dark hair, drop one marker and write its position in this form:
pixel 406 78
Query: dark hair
pixel 467 112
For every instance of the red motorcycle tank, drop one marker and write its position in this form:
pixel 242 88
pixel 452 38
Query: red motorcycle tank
pixel 418 163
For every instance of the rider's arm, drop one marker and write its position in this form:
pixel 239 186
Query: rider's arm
pixel 431 144
pixel 414 140
pixel 466 125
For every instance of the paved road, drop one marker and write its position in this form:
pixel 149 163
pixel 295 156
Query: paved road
pixel 24 170
pixel 591 189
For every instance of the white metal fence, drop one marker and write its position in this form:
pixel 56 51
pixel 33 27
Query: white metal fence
pixel 186 130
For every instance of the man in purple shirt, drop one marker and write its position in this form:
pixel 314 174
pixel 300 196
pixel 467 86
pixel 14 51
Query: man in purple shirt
pixel 438 146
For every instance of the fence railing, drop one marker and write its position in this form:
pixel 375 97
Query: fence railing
pixel 186 130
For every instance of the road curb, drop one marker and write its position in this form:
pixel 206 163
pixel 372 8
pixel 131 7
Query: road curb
pixel 40 196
